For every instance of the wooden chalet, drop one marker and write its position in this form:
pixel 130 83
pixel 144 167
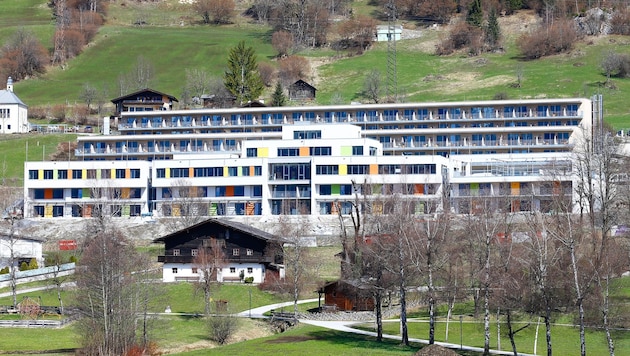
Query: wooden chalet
pixel 246 252
pixel 144 100
pixel 347 296
pixel 301 90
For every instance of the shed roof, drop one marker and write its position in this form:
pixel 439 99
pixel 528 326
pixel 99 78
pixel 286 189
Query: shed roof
pixel 225 223
pixel 9 97
pixel 143 91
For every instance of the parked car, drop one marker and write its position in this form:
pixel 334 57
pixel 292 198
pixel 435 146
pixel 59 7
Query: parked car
pixel 88 129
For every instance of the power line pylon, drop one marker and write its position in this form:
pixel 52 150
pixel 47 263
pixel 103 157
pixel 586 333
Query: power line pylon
pixel 59 55
pixel 392 80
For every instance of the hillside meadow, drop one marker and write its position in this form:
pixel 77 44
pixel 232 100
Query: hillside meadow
pixel 173 40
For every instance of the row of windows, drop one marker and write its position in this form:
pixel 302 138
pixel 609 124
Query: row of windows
pixel 78 193
pixel 209 172
pixel 195 270
pixel 5 114
pixel 119 173
pixel 203 192
pixel 333 169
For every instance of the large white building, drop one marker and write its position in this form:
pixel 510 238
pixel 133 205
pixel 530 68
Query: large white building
pixel 305 160
pixel 13 112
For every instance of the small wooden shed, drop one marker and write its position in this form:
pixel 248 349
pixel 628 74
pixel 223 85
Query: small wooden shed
pixel 301 90
pixel 347 296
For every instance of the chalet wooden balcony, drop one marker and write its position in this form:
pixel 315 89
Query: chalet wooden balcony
pixel 237 259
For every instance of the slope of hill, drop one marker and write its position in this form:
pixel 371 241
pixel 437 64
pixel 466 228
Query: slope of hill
pixel 172 39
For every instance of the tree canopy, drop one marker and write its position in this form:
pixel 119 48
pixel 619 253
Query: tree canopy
pixel 241 77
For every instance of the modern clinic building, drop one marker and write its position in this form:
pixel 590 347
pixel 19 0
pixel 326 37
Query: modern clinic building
pixel 304 160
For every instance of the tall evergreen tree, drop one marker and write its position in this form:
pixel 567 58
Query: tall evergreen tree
pixel 242 78
pixel 278 98
pixel 492 30
pixel 475 14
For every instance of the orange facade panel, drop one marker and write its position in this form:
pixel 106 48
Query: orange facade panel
pixel 48 193
pixel 229 191
pixel 373 169
pixel 418 189
pixel 304 151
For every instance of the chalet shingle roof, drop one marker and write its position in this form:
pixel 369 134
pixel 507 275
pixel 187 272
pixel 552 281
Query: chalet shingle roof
pixel 263 235
pixel 142 91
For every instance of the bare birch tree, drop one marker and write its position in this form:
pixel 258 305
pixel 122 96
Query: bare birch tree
pixel 209 261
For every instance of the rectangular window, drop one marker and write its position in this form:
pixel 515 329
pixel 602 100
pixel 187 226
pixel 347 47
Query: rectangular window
pixel 257 191
pixel 159 173
pixel 232 171
pixel 357 150
pixel 33 174
pixel 77 174
pixel 179 172
pixel 373 151
pixel 236 252
pixel 250 252
pixel 62 174
pixel 106 174
pixel 194 270
pixel 245 171
pixel 48 174
pixel 174 269
pixel 287 152
pixel 135 173
pixel 176 252
pixel 258 170
pixel 320 151
pixel 358 169
pixel 91 173
pixel 300 135
pixel 325 189
pixel 239 191
pixel 252 152
pixel 232 269
pixel 250 270
pixel 327 169
pixel 194 252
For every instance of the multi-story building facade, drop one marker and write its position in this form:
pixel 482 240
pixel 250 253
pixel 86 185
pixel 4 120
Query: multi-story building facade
pixel 312 160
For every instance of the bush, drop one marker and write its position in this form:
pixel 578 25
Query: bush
pixel 462 35
pixel 72 259
pixel 5 270
pixel 293 68
pixel 33 264
pixel 620 22
pixel 249 279
pixel 267 73
pixel 221 328
pixel 283 42
pixel 23 266
pixel 548 39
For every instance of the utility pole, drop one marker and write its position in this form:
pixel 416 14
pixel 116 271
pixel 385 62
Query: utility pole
pixel 392 80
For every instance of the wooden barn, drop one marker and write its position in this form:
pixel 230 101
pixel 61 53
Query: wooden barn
pixel 347 296
pixel 301 90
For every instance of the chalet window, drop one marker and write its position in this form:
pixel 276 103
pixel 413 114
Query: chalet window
pixel 232 269
pixel 176 252
pixel 250 252
pixel 174 270
pixel 250 270
pixel 194 270
pixel 236 252
pixel 194 252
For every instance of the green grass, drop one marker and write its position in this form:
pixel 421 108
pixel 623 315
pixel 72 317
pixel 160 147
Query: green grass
pixel 310 340
pixel 565 339
pixel 13 152
pixel 36 339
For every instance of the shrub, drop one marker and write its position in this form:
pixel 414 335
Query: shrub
pixel 33 264
pixel 548 39
pixel 283 42
pixel 24 266
pixel 5 270
pixel 620 22
pixel 293 68
pixel 72 259
pixel 267 73
pixel 249 279
pixel 462 35
pixel 221 328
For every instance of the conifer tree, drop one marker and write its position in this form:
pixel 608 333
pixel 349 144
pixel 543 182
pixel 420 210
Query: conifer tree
pixel 278 98
pixel 492 30
pixel 475 14
pixel 241 77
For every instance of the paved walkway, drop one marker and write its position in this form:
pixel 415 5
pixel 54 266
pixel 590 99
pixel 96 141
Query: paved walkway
pixel 35 289
pixel 346 326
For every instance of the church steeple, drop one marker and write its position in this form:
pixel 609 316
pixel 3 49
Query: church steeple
pixel 10 84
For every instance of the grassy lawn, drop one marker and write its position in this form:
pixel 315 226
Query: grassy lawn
pixel 13 151
pixel 565 339
pixel 310 340
pixel 36 339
